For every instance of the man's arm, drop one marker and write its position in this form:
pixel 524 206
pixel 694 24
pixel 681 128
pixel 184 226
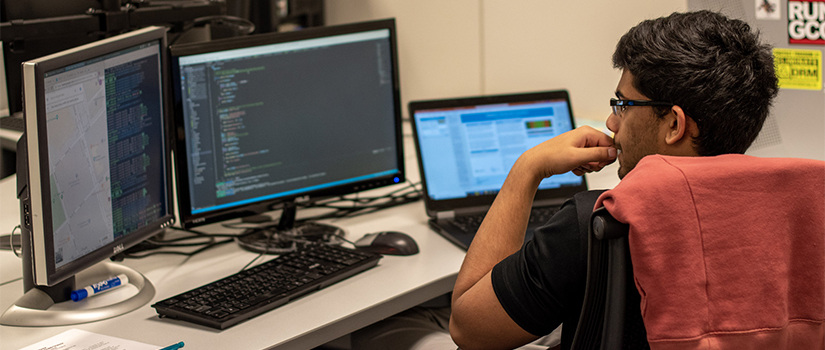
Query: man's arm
pixel 478 320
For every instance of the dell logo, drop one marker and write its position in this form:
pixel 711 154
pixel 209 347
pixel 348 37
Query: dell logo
pixel 118 248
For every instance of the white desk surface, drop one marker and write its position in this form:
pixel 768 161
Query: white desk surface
pixel 396 284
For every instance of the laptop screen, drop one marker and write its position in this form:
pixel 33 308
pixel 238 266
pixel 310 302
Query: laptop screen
pixel 468 150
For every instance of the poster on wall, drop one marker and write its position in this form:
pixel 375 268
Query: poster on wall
pixel 798 69
pixel 806 22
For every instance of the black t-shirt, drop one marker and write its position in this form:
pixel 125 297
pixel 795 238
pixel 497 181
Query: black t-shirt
pixel 542 285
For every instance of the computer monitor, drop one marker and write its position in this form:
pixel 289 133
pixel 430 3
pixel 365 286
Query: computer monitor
pixel 266 120
pixel 34 28
pixel 95 177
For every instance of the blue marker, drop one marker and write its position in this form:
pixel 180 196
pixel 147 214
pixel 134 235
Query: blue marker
pixel 100 287
pixel 173 346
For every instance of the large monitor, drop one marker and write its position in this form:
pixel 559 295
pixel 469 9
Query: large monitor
pixel 34 28
pixel 96 178
pixel 266 120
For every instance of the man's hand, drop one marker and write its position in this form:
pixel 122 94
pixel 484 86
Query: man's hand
pixel 582 150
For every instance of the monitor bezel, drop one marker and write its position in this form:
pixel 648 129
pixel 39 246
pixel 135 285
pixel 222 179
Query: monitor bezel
pixel 186 218
pixel 44 270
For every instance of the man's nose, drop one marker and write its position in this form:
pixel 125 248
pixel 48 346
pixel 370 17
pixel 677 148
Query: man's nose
pixel 612 123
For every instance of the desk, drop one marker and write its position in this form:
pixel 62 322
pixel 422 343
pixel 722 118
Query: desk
pixel 396 284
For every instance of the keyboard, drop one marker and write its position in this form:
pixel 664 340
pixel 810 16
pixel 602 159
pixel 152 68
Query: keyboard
pixel 538 216
pixel 14 122
pixel 251 292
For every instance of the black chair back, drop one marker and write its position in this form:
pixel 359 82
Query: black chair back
pixel 610 317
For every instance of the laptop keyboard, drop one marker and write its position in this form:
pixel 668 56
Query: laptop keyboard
pixel 251 292
pixel 538 216
pixel 14 122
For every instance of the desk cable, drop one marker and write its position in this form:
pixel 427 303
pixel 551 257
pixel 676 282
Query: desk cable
pixel 11 241
pixel 343 206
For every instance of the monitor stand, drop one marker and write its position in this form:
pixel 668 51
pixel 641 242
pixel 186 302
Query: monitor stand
pixel 285 236
pixel 37 308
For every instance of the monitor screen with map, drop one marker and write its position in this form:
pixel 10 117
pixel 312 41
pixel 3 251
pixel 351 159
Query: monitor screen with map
pixel 97 177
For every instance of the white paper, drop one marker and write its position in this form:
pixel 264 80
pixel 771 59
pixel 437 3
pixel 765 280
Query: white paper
pixel 77 339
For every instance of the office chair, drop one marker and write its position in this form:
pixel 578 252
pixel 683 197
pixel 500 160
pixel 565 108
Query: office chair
pixel 610 317
pixel 728 252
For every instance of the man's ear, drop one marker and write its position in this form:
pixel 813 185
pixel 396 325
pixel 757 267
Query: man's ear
pixel 680 127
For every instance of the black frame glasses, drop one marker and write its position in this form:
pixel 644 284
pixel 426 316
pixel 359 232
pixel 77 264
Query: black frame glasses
pixel 620 105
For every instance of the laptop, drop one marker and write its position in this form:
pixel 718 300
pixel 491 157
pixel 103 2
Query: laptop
pixel 466 146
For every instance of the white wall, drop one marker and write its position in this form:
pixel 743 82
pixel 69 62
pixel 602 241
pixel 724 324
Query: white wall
pixel 471 47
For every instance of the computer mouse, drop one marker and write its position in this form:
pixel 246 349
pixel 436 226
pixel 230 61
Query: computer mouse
pixel 387 243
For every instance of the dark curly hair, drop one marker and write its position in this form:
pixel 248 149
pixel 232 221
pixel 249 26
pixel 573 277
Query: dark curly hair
pixel 714 68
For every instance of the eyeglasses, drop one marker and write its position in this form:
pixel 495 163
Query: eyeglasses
pixel 619 106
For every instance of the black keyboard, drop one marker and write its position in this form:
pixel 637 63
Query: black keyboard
pixel 248 293
pixel 14 122
pixel 538 216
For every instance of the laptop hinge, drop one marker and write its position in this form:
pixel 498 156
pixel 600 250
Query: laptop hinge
pixel 445 215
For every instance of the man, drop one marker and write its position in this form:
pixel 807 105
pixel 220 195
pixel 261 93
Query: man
pixel 692 84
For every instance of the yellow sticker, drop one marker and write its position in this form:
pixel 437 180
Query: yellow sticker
pixel 798 69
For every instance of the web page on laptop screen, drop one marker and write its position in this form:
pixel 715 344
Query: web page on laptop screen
pixel 468 151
